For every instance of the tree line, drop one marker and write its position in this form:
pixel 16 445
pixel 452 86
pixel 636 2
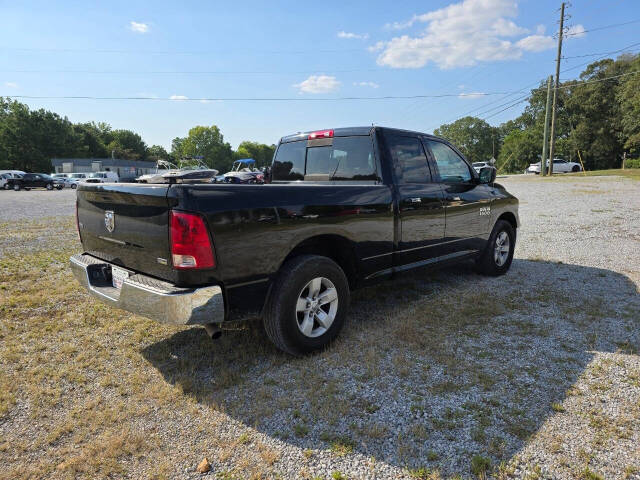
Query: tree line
pixel 29 139
pixel 597 115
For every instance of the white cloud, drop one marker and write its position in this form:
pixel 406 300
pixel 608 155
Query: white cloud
pixel 318 84
pixel 178 97
pixel 139 27
pixel 536 43
pixel 366 84
pixel 471 95
pixel 351 35
pixel 459 35
pixel 401 25
pixel 540 29
pixel 11 84
pixel 576 31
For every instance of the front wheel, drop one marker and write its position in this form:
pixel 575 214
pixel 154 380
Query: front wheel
pixel 49 186
pixel 307 305
pixel 16 187
pixel 498 254
pixel 575 168
pixel 73 186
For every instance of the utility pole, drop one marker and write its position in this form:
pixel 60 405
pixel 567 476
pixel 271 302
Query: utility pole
pixel 555 91
pixel 545 141
pixel 624 159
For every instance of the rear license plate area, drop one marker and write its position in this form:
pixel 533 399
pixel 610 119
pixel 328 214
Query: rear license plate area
pixel 118 276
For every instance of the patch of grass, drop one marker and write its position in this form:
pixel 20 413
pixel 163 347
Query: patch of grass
pixel 300 430
pixel 337 475
pixel 588 474
pixel 480 465
pixel 557 407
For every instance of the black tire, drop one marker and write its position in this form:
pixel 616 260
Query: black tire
pixel 487 264
pixel 16 187
pixel 49 186
pixel 280 315
pixel 74 186
pixel 575 168
pixel 7 186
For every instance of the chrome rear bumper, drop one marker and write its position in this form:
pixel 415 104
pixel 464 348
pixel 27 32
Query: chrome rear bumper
pixel 149 297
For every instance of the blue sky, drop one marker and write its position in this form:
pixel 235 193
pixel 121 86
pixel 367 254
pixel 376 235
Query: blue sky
pixel 291 50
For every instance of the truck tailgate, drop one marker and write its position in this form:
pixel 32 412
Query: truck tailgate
pixel 126 224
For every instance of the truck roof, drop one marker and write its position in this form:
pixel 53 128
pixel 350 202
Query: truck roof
pixel 351 131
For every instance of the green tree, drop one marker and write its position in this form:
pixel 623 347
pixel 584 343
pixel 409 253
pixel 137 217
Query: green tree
pixel 519 149
pixel 594 113
pixel 628 97
pixel 473 136
pixel 260 152
pixel 207 142
pixel 157 152
pixel 127 144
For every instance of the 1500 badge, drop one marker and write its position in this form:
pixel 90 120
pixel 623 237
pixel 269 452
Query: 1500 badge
pixel 485 211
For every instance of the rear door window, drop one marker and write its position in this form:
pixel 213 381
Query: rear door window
pixel 346 158
pixel 409 158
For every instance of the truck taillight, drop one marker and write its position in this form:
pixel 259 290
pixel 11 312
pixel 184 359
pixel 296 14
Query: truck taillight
pixel 321 134
pixel 190 243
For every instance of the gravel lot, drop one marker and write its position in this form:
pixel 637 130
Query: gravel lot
pixel 36 204
pixel 443 375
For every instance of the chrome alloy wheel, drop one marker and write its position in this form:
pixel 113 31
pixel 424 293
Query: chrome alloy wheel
pixel 316 307
pixel 501 250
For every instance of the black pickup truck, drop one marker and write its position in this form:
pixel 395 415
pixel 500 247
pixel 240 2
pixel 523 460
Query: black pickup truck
pixel 342 208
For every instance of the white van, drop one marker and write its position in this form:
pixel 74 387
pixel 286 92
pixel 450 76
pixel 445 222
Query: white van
pixel 102 177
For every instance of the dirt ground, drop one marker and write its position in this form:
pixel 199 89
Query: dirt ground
pixel 436 375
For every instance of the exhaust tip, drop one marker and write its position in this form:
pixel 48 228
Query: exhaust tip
pixel 213 330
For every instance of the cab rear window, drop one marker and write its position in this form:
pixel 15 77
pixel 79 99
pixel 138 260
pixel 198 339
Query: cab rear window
pixel 346 158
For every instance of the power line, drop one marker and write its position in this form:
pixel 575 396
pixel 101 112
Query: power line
pixel 257 99
pixel 581 32
pixel 303 99
pixel 196 72
pixel 177 52
pixel 506 108
pixel 602 53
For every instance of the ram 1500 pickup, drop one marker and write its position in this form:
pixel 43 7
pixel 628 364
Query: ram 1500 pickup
pixel 342 208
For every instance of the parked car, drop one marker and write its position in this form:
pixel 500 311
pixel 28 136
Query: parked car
pixel 34 180
pixel 5 175
pixel 3 179
pixel 75 178
pixel 102 177
pixel 64 178
pixel 345 208
pixel 559 166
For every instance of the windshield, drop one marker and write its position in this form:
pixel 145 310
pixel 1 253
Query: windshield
pixel 97 175
pixel 347 158
pixel 479 164
pixel 78 175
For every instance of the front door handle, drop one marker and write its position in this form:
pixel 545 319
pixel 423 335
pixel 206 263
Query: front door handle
pixel 453 199
pixel 415 200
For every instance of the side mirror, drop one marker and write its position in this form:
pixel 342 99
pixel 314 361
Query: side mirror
pixel 487 174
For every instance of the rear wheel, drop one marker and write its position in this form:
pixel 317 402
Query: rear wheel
pixel 307 305
pixel 49 186
pixel 16 187
pixel 575 168
pixel 498 254
pixel 74 186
